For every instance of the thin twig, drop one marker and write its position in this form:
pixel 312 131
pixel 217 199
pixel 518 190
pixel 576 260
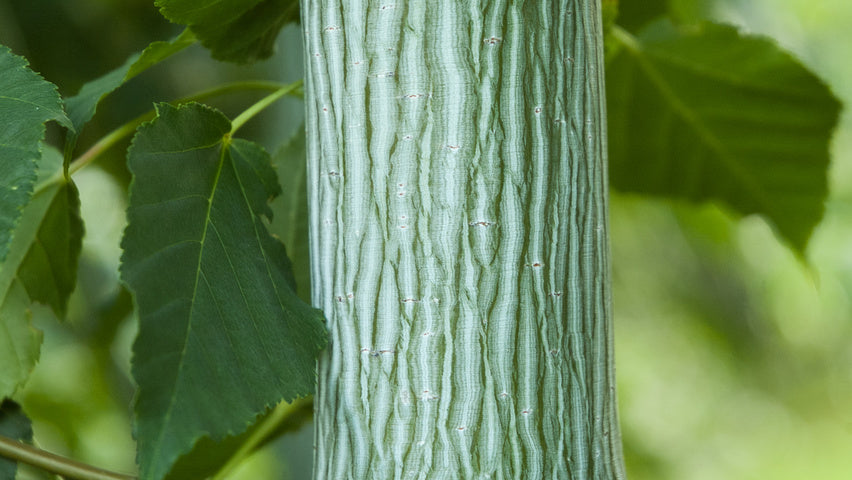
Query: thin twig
pixel 53 463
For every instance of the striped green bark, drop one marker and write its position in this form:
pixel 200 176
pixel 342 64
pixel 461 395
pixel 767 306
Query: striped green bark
pixel 456 156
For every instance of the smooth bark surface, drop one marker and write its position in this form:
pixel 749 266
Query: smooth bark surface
pixel 456 162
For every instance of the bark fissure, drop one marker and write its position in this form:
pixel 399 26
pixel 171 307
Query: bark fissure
pixel 458 233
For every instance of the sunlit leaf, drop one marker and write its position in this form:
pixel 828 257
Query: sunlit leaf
pixel 41 266
pixel 222 334
pixel 707 114
pixel 27 101
pixel 234 30
pixel 82 107
pixel 14 424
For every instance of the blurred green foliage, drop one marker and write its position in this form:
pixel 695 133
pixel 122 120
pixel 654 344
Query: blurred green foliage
pixel 704 113
pixel 734 359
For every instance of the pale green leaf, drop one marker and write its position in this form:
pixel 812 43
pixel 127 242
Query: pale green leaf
pixel 234 30
pixel 27 101
pixel 707 114
pixel 82 107
pixel 222 335
pixel 14 424
pixel 41 266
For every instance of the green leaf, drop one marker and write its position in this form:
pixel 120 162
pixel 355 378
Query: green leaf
pixel 708 114
pixel 222 335
pixel 291 209
pixel 14 424
pixel 239 31
pixel 82 107
pixel 634 14
pixel 27 102
pixel 49 269
pixel 41 266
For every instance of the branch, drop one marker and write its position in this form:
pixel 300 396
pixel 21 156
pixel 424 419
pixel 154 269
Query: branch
pixel 52 463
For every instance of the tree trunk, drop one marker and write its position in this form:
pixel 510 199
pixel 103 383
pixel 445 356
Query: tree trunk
pixel 456 167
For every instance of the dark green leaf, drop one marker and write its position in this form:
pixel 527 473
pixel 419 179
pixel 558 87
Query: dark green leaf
pixel 27 101
pixel 41 266
pixel 222 335
pixel 14 424
pixel 234 30
pixel 634 14
pixel 707 114
pixel 291 209
pixel 82 107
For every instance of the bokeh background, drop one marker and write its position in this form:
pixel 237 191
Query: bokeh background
pixel 734 357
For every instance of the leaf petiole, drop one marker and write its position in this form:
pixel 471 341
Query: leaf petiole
pixel 126 130
pixel 263 103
